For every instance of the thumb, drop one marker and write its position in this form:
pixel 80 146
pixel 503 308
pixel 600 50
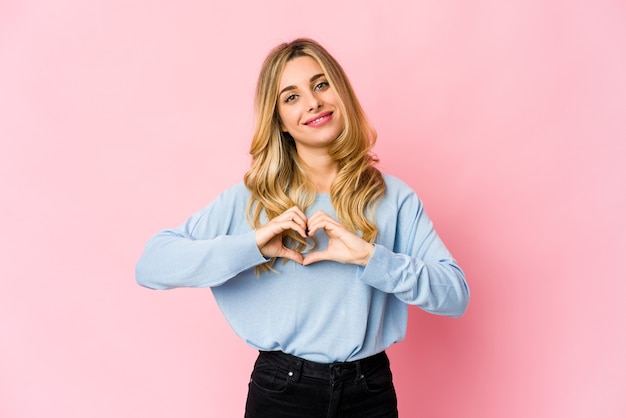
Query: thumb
pixel 292 255
pixel 314 257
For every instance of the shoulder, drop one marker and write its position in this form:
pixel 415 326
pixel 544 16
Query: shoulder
pixel 234 193
pixel 397 189
pixel 225 214
pixel 233 198
pixel 238 189
pixel 399 199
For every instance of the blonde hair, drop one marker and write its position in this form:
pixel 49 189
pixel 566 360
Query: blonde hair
pixel 277 179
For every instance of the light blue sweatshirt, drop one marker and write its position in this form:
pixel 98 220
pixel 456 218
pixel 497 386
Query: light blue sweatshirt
pixel 327 311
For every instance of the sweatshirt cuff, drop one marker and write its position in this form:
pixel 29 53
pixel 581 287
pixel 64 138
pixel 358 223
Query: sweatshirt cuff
pixel 377 272
pixel 249 254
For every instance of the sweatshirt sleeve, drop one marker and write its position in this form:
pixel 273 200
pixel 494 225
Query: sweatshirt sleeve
pixel 417 268
pixel 211 247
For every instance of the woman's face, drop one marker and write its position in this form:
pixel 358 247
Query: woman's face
pixel 307 106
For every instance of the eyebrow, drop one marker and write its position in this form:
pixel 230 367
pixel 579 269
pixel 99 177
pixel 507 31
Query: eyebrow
pixel 315 77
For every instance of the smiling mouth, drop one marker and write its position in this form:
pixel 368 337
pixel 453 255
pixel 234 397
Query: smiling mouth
pixel 319 120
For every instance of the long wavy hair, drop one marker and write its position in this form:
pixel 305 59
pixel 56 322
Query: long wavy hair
pixel 277 179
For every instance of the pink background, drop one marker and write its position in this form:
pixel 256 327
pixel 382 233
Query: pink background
pixel 119 118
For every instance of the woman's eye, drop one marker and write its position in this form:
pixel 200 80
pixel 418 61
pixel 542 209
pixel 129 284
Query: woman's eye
pixel 322 86
pixel 290 98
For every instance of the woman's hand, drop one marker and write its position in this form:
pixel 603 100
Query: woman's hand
pixel 344 246
pixel 269 237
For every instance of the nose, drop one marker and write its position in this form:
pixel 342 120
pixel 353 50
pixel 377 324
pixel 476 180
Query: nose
pixel 314 102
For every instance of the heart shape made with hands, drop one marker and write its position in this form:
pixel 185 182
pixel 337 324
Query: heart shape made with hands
pixel 344 246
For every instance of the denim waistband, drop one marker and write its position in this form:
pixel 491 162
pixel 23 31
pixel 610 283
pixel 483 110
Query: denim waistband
pixel 297 367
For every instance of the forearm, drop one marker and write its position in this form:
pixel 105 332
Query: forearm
pixel 170 260
pixel 436 286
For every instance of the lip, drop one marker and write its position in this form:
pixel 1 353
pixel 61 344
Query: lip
pixel 319 120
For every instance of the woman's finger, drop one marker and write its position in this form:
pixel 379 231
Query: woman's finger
pixel 292 255
pixel 294 216
pixel 329 225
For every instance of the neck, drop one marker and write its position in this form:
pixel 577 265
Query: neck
pixel 320 170
pixel 321 181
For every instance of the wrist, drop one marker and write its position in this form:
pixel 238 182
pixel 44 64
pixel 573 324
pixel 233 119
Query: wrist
pixel 368 254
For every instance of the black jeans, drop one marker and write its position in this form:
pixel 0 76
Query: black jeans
pixel 284 386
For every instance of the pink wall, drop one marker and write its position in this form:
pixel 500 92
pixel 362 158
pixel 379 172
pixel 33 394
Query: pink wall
pixel 119 118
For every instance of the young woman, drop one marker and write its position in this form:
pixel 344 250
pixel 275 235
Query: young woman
pixel 314 258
